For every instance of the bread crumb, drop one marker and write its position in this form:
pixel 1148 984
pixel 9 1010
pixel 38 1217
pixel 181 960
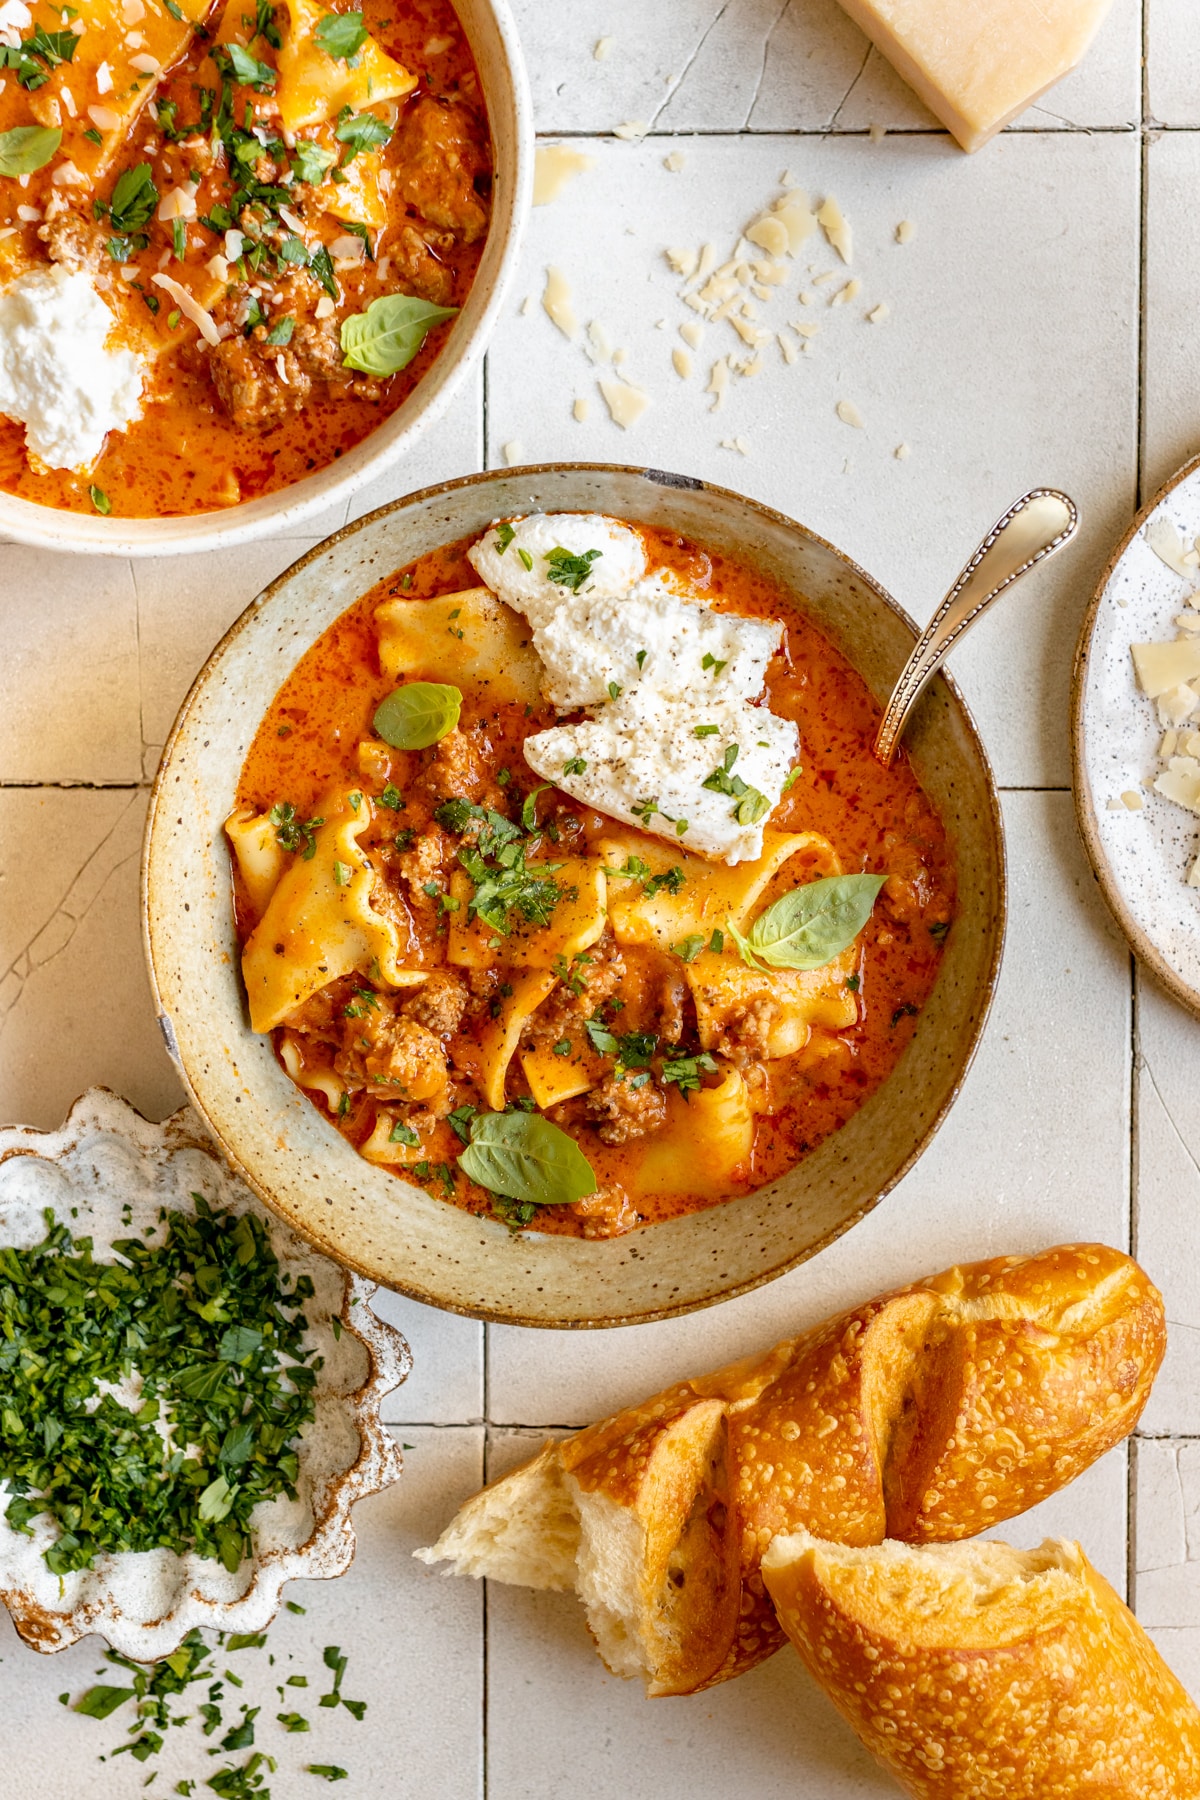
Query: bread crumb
pixel 675 162
pixel 603 49
pixel 1132 800
pixel 692 332
pixel 906 231
pixel 556 303
pixel 632 131
pixel 625 403
pixel 844 295
pixel 879 313
pixel 554 167
pixel 849 414
pixel 513 452
pixel 902 452
pixel 581 409
pixel 682 362
pixel 837 229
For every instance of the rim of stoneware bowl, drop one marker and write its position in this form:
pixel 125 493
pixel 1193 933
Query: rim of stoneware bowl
pixel 1136 935
pixel 492 34
pixel 394 1232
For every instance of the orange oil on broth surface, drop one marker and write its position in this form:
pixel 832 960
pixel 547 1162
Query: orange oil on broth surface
pixel 185 454
pixel 876 819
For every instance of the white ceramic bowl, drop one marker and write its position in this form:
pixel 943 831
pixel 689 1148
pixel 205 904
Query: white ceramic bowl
pixel 492 35
pixel 396 1232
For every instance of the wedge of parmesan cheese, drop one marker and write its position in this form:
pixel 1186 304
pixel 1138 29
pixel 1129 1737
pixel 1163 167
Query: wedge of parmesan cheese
pixel 645 759
pixel 1163 667
pixel 978 67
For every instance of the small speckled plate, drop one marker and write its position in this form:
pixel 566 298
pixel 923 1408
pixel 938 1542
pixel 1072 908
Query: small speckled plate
pixel 1141 858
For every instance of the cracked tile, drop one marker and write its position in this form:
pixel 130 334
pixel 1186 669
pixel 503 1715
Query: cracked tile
pixel 773 65
pixel 1034 1153
pixel 75 1007
pixel 1035 412
pixel 70 668
pixel 1167 1551
pixel 1167 1177
pixel 414 1644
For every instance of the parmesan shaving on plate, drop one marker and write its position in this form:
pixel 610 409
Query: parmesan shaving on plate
pixel 1168 673
pixel 189 307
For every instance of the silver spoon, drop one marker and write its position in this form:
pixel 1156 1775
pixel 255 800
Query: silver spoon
pixel 1033 528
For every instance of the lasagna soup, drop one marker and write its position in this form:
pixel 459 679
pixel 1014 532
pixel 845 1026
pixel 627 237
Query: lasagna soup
pixel 568 886
pixel 232 238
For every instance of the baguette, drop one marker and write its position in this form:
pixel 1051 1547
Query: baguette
pixel 927 1414
pixel 980 1672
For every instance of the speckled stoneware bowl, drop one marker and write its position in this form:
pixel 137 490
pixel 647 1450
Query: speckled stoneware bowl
pixel 374 1221
pixel 1141 858
pixel 495 45
pixel 106 1174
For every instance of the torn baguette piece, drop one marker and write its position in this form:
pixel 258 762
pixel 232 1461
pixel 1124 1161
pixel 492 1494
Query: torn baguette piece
pixel 980 1672
pixel 928 1414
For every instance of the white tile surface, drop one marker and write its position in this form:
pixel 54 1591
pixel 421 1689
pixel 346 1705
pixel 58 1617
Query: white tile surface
pixel 1010 356
pixel 1172 355
pixel 1172 63
pixel 988 374
pixel 771 65
pixel 1034 1153
pixel 420 1721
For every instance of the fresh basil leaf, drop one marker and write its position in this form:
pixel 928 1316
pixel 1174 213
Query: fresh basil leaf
pixel 216 1500
pixel 417 715
pixel 810 926
pixel 134 198
pixel 100 1701
pixel 362 131
pixel 385 338
pixel 524 1157
pixel 27 147
pixel 341 35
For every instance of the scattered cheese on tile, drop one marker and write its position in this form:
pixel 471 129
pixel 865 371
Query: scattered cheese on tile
pixel 557 305
pixel 581 408
pixel 683 262
pixel 902 452
pixel 519 574
pixel 632 131
pixel 599 345
pixel 625 403
pixel 718 383
pixel 879 313
pixel 837 229
pixel 640 761
pixel 683 364
pixel 675 161
pixel 692 333
pixel 976 69
pixel 513 453
pixel 740 444
pixel 527 306
pixel 906 231
pixel 849 414
pixel 603 48
pixel 650 635
pixel 790 349
pixel 851 291
pixel 555 167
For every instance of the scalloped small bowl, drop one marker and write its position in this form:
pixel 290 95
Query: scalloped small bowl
pixel 105 1159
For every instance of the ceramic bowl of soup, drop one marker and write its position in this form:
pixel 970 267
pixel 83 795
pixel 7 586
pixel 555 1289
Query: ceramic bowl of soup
pixel 410 960
pixel 247 257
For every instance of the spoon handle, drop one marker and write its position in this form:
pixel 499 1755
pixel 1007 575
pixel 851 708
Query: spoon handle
pixel 1033 528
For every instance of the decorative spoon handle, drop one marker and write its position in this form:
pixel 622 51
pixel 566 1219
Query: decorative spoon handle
pixel 1033 528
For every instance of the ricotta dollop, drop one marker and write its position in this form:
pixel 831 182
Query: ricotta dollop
pixel 513 560
pixel 58 375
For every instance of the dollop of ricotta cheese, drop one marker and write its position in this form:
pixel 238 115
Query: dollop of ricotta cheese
pixel 594 644
pixel 514 560
pixel 58 375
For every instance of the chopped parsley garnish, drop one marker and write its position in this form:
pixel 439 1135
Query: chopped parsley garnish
pixel 525 557
pixel 35 56
pixel 239 65
pixel 504 536
pixel 689 948
pixel 793 776
pixel 703 731
pixel 563 1047
pixel 709 661
pixel 341 35
pixel 569 571
pixel 179 239
pixel 751 804
pixel 640 659
pixel 391 796
pixel 342 874
pixel 615 690
pixel 685 1071
pixel 570 974
pixel 403 1134
pixel 495 862
pixel 100 500
pixel 293 834
pixel 92 135
pixel 362 131
pixel 212 1327
pixel 575 765
pixel 311 161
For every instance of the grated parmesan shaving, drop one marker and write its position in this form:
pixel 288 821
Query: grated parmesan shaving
pixel 512 453
pixel 675 162
pixel 844 295
pixel 580 409
pixel 632 131
pixel 849 414
pixel 692 332
pixel 603 48
pixel 879 313
pixel 556 303
pixel 718 383
pixel 906 231
pixel 555 167
pixel 682 362
pixel 189 307
pixel 625 403
pixel 837 229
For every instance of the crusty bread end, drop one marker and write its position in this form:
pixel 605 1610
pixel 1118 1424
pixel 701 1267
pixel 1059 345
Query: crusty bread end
pixel 523 1529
